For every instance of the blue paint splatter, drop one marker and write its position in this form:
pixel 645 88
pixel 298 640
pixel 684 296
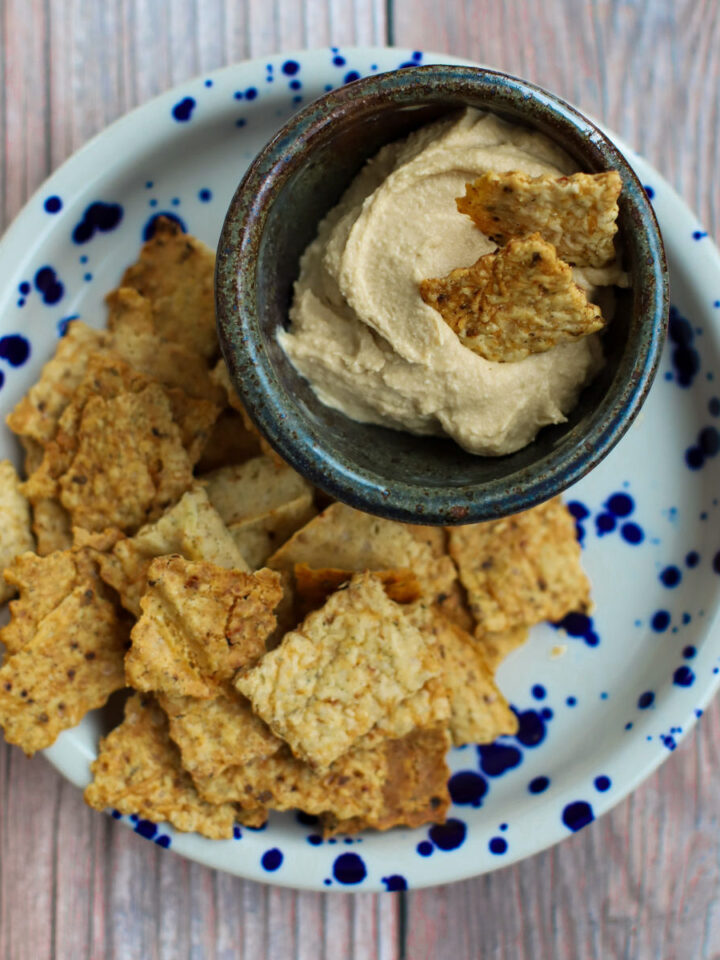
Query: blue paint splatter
pixel 531 728
pixel 449 835
pixel 498 845
pixel 251 93
pixel 149 229
pixel 290 67
pixel 579 625
pixel 237 832
pixel 24 288
pixel 205 195
pixel 632 533
pixel 49 286
pixel 602 783
pixel 538 691
pixel 350 76
pixel 689 652
pixel 670 577
pixel 467 787
pixel 395 882
pixel 349 868
pixel 649 191
pixel 163 841
pixel 208 83
pixel 546 713
pixel 98 217
pixel 660 621
pixel 620 504
pixel 241 122
pixel 683 676
pixel 685 359
pixel 146 828
pixel 425 848
pixel 580 512
pixel 497 758
pixel 571 701
pixel 295 85
pixel 272 859
pixel 314 839
pixel 15 349
pixel 699 234
pixel 605 523
pixel 646 700
pixel 668 741
pixel 539 784
pixel 306 819
pixel 182 111
pixel 116 815
pixel 53 204
pixel 692 559
pixel 577 815
pixel 339 61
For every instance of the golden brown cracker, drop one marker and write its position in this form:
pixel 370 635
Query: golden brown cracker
pixel 497 646
pixel 219 733
pixel 138 770
pixel 229 443
pixel 577 213
pixel 313 587
pixel 176 273
pixel 51 525
pixel 192 529
pixel 71 665
pixel 259 537
pixel 429 706
pixel 415 791
pixel 523 301
pixel 253 488
pixel 15 533
pixel 200 623
pixel 221 376
pixel 342 670
pixel 521 569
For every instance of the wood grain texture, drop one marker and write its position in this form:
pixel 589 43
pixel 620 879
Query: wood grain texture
pixel 641 883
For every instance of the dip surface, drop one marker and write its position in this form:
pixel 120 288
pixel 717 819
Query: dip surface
pixel 360 331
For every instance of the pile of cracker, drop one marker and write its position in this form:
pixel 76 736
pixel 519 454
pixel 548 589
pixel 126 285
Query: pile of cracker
pixel 523 298
pixel 277 651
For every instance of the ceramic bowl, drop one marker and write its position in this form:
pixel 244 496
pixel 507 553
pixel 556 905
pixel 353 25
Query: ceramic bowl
pixel 274 214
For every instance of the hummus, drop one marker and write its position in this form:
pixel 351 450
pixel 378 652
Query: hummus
pixel 360 331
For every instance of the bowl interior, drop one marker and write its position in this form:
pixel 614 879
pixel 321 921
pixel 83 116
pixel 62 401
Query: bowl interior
pixel 307 176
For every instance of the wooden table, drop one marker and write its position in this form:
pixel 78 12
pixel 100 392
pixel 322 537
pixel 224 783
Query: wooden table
pixel 643 882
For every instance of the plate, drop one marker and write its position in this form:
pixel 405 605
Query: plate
pixel 601 701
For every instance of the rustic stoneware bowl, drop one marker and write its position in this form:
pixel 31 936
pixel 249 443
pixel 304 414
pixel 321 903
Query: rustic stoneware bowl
pixel 274 214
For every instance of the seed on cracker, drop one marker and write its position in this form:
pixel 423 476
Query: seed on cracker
pixel 70 665
pixel 219 733
pixel 15 534
pixel 513 303
pixel 200 623
pixel 577 214
pixel 313 587
pixel 522 569
pixel 138 770
pixel 192 528
pixel 341 671
pixel 415 790
pixel 176 273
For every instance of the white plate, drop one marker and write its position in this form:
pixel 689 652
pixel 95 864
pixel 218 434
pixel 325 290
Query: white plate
pixel 598 717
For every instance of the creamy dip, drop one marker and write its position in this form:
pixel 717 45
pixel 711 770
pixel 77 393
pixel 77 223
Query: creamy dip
pixel 360 331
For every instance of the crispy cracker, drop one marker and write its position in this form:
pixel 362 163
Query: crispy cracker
pixel 429 706
pixel 138 770
pixel 451 599
pixel 415 790
pixel 479 713
pixel 51 525
pixel 345 668
pixel 192 529
pixel 215 734
pixel 513 303
pixel 253 488
pixel 176 273
pixel 521 569
pixel 200 623
pixel 313 587
pixel 259 537
pixel 70 665
pixel 229 443
pixel 221 376
pixel 350 787
pixel 15 534
pixel 577 214
pixel 33 454
pixel 497 646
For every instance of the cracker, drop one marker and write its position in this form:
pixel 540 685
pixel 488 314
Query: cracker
pixel 497 646
pixel 200 623
pixel 516 302
pixel 350 787
pixel 415 790
pixel 51 525
pixel 479 713
pixel 430 706
pixel 138 770
pixel 345 668
pixel 577 214
pixel 229 443
pixel 215 734
pixel 33 454
pixel 313 587
pixel 253 488
pixel 259 537
pixel 71 665
pixel 451 598
pixel 176 273
pixel 521 569
pixel 15 534
pixel 221 376
pixel 192 529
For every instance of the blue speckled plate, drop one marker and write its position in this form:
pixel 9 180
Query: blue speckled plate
pixel 601 702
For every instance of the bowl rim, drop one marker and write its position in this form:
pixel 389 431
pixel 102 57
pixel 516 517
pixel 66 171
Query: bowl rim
pixel 267 401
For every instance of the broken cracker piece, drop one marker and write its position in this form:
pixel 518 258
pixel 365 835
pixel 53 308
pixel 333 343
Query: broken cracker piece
pixel 176 273
pixel 253 488
pixel 577 213
pixel 229 443
pixel 138 770
pixel 522 569
pixel 259 537
pixel 71 665
pixel 313 587
pixel 15 534
pixel 415 791
pixel 340 672
pixel 200 623
pixel 192 529
pixel 497 646
pixel 516 302
pixel 219 733
pixel 221 376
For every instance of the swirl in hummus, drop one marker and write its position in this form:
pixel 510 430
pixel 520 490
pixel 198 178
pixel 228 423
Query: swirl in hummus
pixel 360 331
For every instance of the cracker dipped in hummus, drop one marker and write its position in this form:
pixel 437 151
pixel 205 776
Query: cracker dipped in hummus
pixel 365 338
